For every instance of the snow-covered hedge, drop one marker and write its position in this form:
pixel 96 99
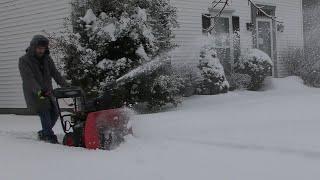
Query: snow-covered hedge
pixel 154 84
pixel 256 64
pixel 189 73
pixel 108 39
pixel 305 64
pixel 165 89
pixel 212 79
pixel 294 61
pixel 239 81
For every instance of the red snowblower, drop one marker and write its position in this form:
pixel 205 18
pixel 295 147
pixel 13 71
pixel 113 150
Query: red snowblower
pixel 92 124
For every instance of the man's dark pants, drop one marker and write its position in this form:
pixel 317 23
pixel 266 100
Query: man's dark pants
pixel 48 120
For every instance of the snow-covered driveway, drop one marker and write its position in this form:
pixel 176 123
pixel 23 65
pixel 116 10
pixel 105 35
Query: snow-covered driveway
pixel 269 135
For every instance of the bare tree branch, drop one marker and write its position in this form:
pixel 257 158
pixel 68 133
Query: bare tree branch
pixel 215 4
pixel 263 12
pixel 225 3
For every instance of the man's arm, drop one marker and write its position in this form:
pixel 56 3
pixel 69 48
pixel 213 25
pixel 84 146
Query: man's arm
pixel 56 74
pixel 28 76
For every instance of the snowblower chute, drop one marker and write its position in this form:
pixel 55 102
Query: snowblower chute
pixel 91 125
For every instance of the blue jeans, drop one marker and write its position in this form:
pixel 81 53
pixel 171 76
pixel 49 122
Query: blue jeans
pixel 48 120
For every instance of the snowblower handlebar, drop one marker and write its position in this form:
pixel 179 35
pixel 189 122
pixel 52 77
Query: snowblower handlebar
pixel 70 92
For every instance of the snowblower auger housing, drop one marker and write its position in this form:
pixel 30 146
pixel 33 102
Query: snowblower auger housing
pixel 89 125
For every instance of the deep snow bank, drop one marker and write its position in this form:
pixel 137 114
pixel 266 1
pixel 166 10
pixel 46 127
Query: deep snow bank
pixel 268 135
pixel 288 84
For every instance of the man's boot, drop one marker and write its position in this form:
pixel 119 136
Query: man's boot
pixel 53 139
pixel 47 138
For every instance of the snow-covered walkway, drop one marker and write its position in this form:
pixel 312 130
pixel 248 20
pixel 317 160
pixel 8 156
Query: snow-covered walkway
pixel 269 135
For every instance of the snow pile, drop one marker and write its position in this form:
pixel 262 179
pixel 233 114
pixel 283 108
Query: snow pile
pixel 288 84
pixel 269 135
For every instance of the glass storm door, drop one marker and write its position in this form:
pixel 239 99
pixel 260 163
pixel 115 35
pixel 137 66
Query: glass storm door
pixel 222 34
pixel 265 36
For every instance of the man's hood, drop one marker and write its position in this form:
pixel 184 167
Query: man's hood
pixel 37 40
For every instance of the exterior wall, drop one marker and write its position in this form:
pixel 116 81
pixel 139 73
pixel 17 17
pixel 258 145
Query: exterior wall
pixel 20 20
pixel 190 31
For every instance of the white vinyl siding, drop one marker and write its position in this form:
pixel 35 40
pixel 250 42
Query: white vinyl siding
pixel 19 21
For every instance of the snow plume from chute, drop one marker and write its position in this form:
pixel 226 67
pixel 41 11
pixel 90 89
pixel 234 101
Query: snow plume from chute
pixel 192 50
pixel 145 69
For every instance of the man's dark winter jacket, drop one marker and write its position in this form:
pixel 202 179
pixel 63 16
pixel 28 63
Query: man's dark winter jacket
pixel 37 75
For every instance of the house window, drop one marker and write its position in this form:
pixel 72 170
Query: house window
pixel 223 33
pixel 236 37
pixel 206 22
pixel 261 14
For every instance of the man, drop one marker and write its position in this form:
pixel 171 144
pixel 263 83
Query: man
pixel 37 70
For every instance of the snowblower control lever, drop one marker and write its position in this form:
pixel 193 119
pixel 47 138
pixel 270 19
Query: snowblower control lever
pixel 76 93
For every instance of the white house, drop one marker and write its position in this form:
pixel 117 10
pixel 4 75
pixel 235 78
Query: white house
pixel 21 19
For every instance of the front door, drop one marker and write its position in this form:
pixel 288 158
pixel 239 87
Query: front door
pixel 265 35
pixel 223 42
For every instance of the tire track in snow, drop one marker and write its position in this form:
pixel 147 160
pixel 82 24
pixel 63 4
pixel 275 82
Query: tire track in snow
pixel 253 147
pixel 18 135
pixel 22 135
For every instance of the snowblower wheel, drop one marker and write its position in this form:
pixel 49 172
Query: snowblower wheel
pixel 69 140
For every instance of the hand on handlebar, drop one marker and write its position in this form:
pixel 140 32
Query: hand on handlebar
pixel 44 94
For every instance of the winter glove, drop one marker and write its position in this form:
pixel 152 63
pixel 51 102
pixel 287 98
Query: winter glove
pixel 43 94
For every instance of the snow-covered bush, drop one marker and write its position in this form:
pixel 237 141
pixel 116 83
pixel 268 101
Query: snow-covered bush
pixel 110 38
pixel 305 64
pixel 238 81
pixel 294 61
pixel 256 64
pixel 153 83
pixel 312 78
pixel 189 75
pixel 310 67
pixel 164 89
pixel 212 80
pixel 311 61
pixel 311 18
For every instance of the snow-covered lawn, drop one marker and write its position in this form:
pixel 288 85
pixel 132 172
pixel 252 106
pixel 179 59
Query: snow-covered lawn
pixel 269 135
